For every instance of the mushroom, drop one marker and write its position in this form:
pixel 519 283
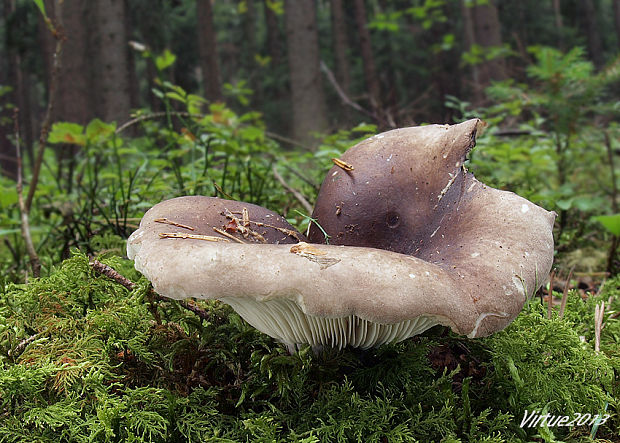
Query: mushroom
pixel 416 241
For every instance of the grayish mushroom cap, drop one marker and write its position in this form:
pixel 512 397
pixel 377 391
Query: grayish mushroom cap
pixel 483 256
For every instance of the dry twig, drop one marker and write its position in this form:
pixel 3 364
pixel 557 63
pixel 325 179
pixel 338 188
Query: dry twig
pixel 226 234
pixel 113 274
pixel 173 223
pixel 599 312
pixel 298 195
pixel 342 164
pixel 192 236
pixel 21 346
pixel 345 99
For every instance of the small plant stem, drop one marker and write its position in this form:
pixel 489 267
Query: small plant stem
pixel 35 262
pixel 113 274
pixel 614 185
pixel 550 295
pixel 58 34
pixel 613 247
pixel 565 293
pixel 298 195
pixel 599 311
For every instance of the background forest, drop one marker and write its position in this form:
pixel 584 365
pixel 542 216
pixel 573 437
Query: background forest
pixel 108 107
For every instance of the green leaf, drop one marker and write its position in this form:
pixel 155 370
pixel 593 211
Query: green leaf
pixel 175 96
pixel 565 204
pixel 8 196
pixel 97 130
pixel 70 133
pixel 277 6
pixel 41 7
pixel 165 60
pixel 610 222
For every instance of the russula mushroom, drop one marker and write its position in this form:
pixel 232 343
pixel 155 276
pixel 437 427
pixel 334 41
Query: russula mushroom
pixel 416 241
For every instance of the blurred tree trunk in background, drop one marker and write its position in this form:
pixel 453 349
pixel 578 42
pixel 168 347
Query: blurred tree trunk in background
pixel 341 48
pixel 274 37
pixel 559 22
pixel 134 85
pixel 445 69
pixel 304 67
pixel 110 49
pixel 340 45
pixel 616 5
pixel 249 51
pixel 74 97
pixel 482 28
pixel 207 47
pixel 587 15
pixel 617 20
pixel 8 164
pixel 15 75
pixel 370 71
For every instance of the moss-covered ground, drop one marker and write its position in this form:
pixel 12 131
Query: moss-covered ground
pixel 84 359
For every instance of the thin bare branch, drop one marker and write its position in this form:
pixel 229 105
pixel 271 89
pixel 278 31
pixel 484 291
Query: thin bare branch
pixel 345 99
pixel 599 312
pixel 59 35
pixel 113 274
pixel 298 195
pixel 22 345
pixel 35 263
pixel 153 116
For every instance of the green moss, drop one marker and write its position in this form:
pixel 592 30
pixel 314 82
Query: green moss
pixel 84 359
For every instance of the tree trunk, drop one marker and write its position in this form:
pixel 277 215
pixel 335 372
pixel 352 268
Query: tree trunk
pixel 308 102
pixel 274 46
pixel 587 14
pixel 134 85
pixel 559 22
pixel 470 41
pixel 617 20
pixel 368 60
pixel 8 163
pixel 445 70
pixel 341 46
pixel 74 97
pixel 209 63
pixel 483 28
pixel 110 49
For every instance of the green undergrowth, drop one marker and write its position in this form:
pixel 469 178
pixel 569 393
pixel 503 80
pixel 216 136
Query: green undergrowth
pixel 84 359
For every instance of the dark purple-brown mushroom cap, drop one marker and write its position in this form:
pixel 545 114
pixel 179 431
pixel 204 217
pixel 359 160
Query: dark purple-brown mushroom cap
pixel 407 191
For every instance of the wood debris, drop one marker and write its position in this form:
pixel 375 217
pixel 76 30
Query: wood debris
pixel 342 164
pixel 288 232
pixel 173 223
pixel 226 234
pixel 192 236
pixel 314 254
pixel 242 226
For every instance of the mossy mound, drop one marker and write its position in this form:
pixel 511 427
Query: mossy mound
pixel 84 359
